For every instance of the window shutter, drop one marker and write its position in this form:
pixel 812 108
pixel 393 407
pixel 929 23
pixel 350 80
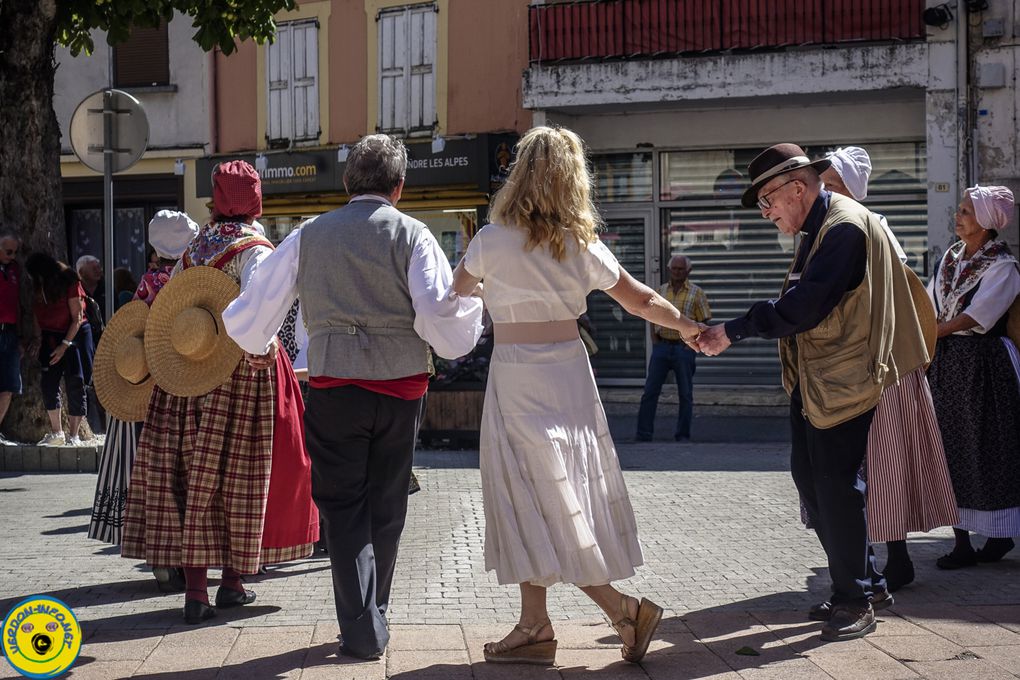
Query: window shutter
pixel 280 121
pixel 393 52
pixel 422 72
pixel 144 59
pixel 305 80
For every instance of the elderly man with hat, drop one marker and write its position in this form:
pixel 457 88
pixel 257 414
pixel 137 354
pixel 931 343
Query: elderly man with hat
pixel 221 477
pixel 375 290
pixel 909 487
pixel 837 330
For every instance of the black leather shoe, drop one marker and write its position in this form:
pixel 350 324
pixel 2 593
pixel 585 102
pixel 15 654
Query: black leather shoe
pixel 957 560
pixel 196 611
pixel 848 622
pixel 228 597
pixel 823 610
pixel 169 580
pixel 898 575
pixel 994 549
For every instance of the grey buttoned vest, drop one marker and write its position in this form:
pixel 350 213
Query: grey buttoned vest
pixel 355 300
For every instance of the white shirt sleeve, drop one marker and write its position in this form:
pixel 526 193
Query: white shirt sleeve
pixel 268 289
pixel 999 287
pixel 450 323
pixel 248 260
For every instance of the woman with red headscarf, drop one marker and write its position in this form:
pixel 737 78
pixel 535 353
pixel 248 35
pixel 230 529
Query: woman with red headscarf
pixel 202 514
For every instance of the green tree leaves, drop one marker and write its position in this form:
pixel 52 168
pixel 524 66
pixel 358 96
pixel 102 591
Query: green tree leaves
pixel 218 23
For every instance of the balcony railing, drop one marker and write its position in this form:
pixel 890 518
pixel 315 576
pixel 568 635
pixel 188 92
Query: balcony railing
pixel 601 29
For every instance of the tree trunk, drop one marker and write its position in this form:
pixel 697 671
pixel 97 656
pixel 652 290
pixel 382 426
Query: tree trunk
pixel 31 202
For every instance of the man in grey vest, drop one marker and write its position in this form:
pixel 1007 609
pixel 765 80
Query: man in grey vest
pixel 375 291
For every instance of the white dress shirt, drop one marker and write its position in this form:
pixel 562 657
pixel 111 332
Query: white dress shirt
pixel 449 323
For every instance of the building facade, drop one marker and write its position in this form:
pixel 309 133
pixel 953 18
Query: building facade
pixel 443 75
pixel 168 73
pixel 675 97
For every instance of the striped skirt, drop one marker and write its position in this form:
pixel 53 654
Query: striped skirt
pixel 909 488
pixel 975 381
pixel 112 485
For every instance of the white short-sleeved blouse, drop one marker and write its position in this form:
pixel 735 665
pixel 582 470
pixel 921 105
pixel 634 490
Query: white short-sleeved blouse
pixel 530 285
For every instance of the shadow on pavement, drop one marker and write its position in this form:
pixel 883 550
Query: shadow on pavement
pixel 169 621
pixel 62 531
pixel 80 512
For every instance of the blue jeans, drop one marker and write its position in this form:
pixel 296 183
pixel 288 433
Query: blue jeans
pixel 667 357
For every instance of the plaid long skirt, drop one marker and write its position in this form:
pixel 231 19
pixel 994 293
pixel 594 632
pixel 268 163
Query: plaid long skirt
pixel 201 479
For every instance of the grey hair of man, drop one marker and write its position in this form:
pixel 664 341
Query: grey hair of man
pixel 680 259
pixel 84 260
pixel 376 165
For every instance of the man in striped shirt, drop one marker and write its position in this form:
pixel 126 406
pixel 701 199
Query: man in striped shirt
pixel 670 353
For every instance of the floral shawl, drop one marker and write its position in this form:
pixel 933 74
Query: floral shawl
pixel 950 299
pixel 219 242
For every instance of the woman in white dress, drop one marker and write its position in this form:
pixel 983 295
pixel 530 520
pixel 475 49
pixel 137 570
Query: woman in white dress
pixel 556 507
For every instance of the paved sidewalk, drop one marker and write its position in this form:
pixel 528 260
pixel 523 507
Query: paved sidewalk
pixel 724 552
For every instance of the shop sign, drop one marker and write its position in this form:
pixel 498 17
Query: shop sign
pixel 285 173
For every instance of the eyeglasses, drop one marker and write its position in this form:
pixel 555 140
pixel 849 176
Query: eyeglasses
pixel 764 203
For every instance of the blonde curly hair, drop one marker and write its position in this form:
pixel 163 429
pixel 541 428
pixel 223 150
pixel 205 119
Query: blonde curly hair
pixel 548 193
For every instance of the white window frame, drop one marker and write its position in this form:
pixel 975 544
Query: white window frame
pixel 406 80
pixel 292 83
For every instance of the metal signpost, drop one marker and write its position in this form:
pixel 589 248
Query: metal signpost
pixel 109 133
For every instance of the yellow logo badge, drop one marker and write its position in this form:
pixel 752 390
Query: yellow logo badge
pixel 41 637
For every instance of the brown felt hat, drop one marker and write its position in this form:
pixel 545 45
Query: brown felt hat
pixel 774 161
pixel 120 372
pixel 186 344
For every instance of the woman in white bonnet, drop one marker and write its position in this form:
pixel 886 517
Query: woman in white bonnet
pixel 975 376
pixel 908 481
pixel 169 234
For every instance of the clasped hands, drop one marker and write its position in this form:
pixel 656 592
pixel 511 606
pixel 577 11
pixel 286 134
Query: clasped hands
pixel 261 362
pixel 709 340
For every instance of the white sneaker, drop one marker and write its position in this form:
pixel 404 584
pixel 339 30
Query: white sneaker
pixel 52 439
pixel 75 441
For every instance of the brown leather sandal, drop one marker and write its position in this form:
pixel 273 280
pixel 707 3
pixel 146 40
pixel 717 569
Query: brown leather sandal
pixel 534 652
pixel 648 617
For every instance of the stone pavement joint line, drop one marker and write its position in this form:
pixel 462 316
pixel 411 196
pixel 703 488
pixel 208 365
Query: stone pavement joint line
pixel 724 551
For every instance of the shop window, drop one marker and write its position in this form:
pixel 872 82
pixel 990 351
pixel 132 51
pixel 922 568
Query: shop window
pixel 623 177
pixel 407 71
pixel 739 257
pixel 144 59
pixel 292 74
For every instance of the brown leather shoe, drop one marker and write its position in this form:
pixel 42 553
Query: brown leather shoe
pixel 849 621
pixel 823 610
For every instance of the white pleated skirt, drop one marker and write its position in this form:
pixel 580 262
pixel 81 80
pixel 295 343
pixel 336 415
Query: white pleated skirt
pixel 556 506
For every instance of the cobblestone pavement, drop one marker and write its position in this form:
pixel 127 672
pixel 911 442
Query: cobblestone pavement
pixel 724 552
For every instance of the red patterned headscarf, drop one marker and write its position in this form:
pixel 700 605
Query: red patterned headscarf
pixel 237 190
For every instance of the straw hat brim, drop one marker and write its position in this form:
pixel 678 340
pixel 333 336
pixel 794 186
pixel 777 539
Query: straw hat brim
pixel 925 311
pixel 207 288
pixel 122 399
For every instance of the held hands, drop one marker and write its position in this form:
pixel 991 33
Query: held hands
pixel 261 362
pixel 713 341
pixel 691 340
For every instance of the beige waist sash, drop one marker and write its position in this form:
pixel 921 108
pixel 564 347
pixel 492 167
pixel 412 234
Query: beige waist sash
pixel 535 332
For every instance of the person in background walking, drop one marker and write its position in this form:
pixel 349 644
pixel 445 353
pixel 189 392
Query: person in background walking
pixel 10 312
pixel 671 353
pixel 65 343
pixel 124 285
pixel 90 271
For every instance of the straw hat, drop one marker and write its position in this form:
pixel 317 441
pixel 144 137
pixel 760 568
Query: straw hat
pixel 925 311
pixel 120 373
pixel 186 344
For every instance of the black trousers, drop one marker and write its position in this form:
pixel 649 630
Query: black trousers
pixel 361 445
pixel 824 464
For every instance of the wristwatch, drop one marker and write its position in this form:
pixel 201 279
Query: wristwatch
pixel 69 343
